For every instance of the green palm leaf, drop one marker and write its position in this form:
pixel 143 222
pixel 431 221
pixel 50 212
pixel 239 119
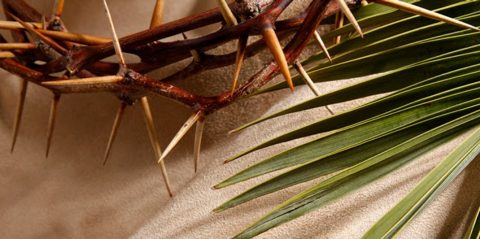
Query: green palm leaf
pixel 356 176
pixel 430 71
pixel 430 186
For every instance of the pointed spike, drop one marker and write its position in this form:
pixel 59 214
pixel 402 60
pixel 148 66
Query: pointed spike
pixel 58 7
pixel 157 15
pixel 344 7
pixel 116 42
pixel 154 140
pixel 307 78
pixel 241 48
pixel 19 113
pixel 6 54
pixel 310 83
pixel 198 142
pixel 322 45
pixel 17 46
pixel 407 7
pixel 51 121
pixel 276 49
pixel 85 81
pixel 44 23
pixel 339 20
pixel 76 37
pixel 12 25
pixel 195 53
pixel 113 133
pixel 183 130
pixel 227 13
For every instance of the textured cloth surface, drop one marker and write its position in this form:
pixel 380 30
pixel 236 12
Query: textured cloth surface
pixel 71 195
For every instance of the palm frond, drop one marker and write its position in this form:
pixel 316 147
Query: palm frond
pixel 430 73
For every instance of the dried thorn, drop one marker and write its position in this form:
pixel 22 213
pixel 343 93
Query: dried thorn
pixel 194 52
pixel 6 54
pixel 58 7
pixel 407 7
pixel 11 25
pixel 241 47
pixel 310 83
pixel 116 42
pixel 85 81
pixel 17 46
pixel 307 78
pixel 198 142
pixel 344 7
pixel 183 130
pixel 113 133
pixel 157 15
pixel 51 121
pixel 19 113
pixel 154 140
pixel 339 20
pixel 75 37
pixel 44 23
pixel 322 45
pixel 42 37
pixel 227 13
pixel 276 49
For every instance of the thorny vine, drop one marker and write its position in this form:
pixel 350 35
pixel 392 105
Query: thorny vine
pixel 43 49
pixel 86 60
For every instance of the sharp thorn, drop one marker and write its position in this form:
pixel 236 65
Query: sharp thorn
pixel 17 46
pixel 6 54
pixel 183 130
pixel 113 132
pixel 198 142
pixel 195 53
pixel 407 7
pixel 307 78
pixel 227 13
pixel 19 113
pixel 58 7
pixel 75 37
pixel 11 25
pixel 157 15
pixel 344 7
pixel 116 42
pixel 51 122
pixel 154 140
pixel 310 83
pixel 322 45
pixel 241 47
pixel 339 20
pixel 85 81
pixel 276 49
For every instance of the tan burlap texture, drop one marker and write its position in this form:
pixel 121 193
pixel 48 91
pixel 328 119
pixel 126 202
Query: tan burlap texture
pixel 71 195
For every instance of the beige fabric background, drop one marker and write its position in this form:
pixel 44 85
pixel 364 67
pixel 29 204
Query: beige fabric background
pixel 71 195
